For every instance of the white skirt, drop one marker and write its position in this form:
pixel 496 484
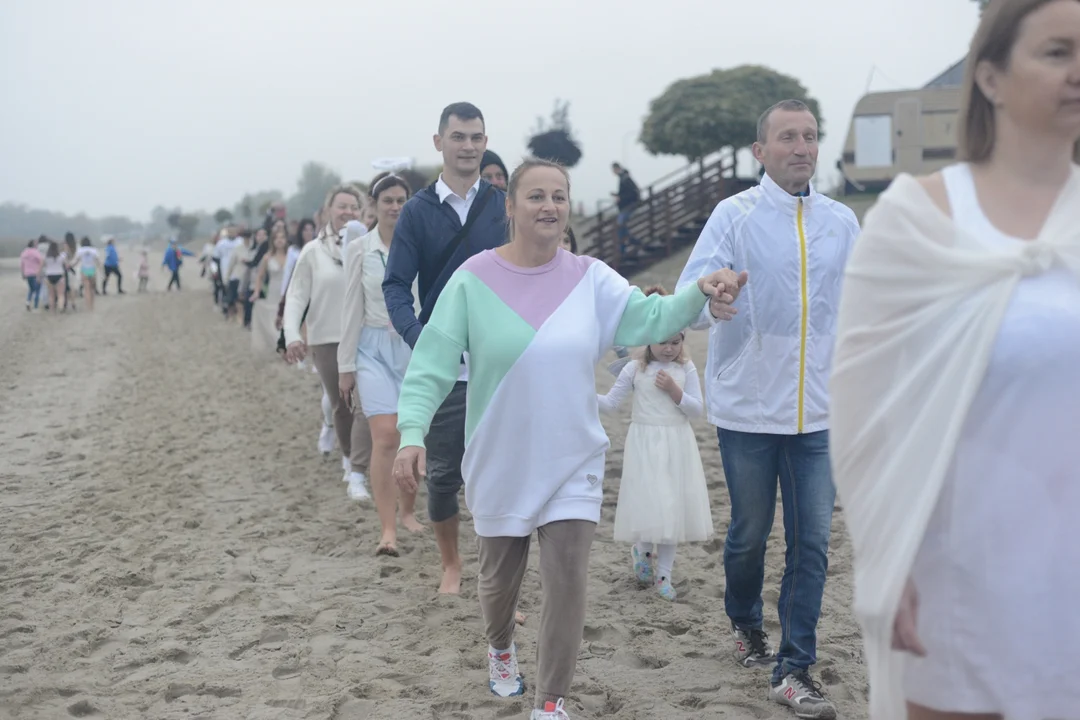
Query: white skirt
pixel 663 497
pixel 264 336
pixel 382 358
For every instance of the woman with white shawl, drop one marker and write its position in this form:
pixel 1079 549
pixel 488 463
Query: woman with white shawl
pixel 956 397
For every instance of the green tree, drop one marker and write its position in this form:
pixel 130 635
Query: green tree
pixel 700 115
pixel 316 180
pixel 223 216
pixel 421 176
pixel 554 139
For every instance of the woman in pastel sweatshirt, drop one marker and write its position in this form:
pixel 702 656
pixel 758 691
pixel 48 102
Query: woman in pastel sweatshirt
pixel 535 321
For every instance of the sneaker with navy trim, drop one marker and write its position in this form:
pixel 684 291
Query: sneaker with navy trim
pixel 802 694
pixel 752 648
pixel 503 676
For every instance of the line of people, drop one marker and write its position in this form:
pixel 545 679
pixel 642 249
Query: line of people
pixel 462 333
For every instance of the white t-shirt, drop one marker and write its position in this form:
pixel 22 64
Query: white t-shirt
pixel 55 265
pixel 88 257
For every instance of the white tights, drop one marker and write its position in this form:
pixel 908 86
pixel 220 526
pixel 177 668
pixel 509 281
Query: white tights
pixel 665 557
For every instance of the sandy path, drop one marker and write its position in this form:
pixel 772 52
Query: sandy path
pixel 174 547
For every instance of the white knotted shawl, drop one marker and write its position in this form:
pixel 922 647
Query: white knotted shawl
pixel 920 311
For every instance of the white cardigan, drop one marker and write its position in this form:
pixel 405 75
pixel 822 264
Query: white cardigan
pixel 920 311
pixel 317 280
pixel 353 315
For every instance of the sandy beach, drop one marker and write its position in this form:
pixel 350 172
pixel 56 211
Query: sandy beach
pixel 173 546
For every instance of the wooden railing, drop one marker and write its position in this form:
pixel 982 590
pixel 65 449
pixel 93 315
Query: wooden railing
pixel 670 215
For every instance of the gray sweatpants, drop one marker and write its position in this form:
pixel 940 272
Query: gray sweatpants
pixel 353 433
pixel 564 570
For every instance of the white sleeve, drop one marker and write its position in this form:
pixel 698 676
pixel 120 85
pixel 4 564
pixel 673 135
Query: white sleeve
pixel 714 250
pixel 624 385
pixel 692 404
pixel 352 314
pixel 297 298
pixel 290 264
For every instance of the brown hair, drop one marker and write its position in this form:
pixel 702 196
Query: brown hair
pixel 386 180
pixel 647 356
pixel 519 172
pixel 347 190
pixel 994 41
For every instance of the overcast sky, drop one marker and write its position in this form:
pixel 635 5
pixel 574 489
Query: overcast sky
pixel 114 106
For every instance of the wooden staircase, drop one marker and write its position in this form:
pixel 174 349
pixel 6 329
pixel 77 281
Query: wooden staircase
pixel 672 212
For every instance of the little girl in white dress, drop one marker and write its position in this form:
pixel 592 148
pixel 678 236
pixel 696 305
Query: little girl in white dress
pixel 663 498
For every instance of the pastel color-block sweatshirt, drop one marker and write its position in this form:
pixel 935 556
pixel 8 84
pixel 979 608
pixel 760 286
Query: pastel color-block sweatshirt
pixel 534 444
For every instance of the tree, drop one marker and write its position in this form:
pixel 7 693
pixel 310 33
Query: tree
pixel 554 140
pixel 420 176
pixel 700 115
pixel 982 4
pixel 223 216
pixel 316 180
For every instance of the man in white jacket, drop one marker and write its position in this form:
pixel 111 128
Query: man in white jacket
pixel 766 390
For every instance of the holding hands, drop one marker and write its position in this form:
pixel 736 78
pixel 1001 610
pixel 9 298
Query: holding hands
pixel 723 287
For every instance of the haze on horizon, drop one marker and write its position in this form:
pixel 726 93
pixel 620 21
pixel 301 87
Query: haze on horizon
pixel 114 107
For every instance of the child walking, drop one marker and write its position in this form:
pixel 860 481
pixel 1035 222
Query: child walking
pixel 663 499
pixel 144 271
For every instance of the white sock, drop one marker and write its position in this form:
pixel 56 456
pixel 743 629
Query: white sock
pixel 327 410
pixel 665 559
pixel 644 549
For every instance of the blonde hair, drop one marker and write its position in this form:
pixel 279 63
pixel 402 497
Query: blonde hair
pixel 515 179
pixel 645 357
pixel 994 41
pixel 346 190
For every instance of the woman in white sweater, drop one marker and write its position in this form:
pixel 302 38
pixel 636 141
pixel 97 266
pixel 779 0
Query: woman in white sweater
pixel 317 286
pixel 956 397
pixel 372 357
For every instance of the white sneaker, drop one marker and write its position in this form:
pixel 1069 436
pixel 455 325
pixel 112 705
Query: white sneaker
pixel 357 486
pixel 503 676
pixel 551 711
pixel 326 439
pixel 345 464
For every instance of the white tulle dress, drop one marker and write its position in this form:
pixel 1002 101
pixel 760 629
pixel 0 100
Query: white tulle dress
pixel 663 497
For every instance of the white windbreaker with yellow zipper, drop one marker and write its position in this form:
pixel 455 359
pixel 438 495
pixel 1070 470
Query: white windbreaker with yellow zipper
pixel 768 367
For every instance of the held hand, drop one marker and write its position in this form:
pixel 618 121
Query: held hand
pixel 728 285
pixel 905 626
pixel 295 352
pixel 409 466
pixel 346 382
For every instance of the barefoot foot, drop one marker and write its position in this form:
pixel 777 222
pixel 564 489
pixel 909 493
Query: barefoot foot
pixel 451 580
pixel 411 523
pixel 519 618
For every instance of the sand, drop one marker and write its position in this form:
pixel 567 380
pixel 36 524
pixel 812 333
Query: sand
pixel 173 546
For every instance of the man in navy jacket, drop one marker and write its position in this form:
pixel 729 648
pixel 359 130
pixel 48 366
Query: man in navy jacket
pixel 429 224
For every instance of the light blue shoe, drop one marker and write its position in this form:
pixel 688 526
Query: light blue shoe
pixel 663 587
pixel 643 567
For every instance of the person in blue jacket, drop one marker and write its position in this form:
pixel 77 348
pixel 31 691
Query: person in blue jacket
pixel 429 241
pixel 174 258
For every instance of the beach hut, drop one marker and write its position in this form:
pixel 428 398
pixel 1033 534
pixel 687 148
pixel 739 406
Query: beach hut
pixel 912 131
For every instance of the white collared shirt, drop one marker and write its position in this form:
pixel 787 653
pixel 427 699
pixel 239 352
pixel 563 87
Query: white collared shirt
pixel 461 205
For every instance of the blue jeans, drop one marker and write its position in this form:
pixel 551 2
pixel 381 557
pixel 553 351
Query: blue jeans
pixel 34 291
pixel 752 464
